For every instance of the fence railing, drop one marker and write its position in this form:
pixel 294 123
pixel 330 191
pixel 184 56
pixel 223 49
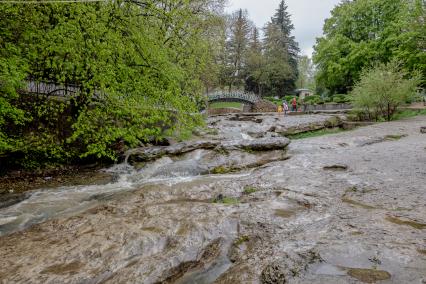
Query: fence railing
pixel 234 95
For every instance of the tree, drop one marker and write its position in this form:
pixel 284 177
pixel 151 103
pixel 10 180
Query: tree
pixel 236 47
pixel 282 19
pixel 255 75
pixel 278 70
pixel 362 32
pixel 137 66
pixel 383 88
pixel 306 72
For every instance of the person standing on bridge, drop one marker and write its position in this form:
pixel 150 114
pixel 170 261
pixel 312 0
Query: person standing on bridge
pixel 294 104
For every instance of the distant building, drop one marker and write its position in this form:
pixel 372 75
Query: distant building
pixel 303 93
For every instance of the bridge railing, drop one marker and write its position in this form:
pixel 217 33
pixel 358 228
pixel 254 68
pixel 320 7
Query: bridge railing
pixel 234 95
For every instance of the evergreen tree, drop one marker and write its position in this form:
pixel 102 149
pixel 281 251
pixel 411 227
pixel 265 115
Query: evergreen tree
pixel 278 70
pixel 283 20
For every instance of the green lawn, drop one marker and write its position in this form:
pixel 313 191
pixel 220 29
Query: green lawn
pixel 407 113
pixel 226 105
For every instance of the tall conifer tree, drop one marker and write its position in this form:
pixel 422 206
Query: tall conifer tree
pixel 283 20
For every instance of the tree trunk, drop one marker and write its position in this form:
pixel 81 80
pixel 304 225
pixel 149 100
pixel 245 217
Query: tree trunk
pixel 389 112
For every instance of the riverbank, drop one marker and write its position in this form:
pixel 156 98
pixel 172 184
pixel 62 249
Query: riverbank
pixel 342 208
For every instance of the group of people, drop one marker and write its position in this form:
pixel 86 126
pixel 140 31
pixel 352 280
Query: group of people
pixel 285 107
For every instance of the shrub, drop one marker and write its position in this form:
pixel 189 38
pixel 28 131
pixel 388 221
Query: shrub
pixel 288 99
pixel 382 89
pixel 341 99
pixel 313 100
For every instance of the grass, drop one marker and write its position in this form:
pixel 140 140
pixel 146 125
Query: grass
pixel 315 133
pixel 226 105
pixel 408 113
pixel 249 190
pixel 221 170
pixel 241 240
pixel 226 200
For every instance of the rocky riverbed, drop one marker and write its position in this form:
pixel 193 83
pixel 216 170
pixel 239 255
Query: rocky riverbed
pixel 240 205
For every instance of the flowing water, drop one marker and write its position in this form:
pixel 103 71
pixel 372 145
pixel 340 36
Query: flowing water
pixel 44 204
pixel 339 210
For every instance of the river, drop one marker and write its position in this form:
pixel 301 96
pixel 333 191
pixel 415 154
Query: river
pixel 244 206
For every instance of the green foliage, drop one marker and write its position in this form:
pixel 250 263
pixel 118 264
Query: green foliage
pixel 288 99
pixel 313 100
pixel 280 76
pixel 226 200
pixel 361 33
pixel 278 102
pixel 137 66
pixel 267 67
pixel 341 99
pixel 408 113
pixel 249 190
pixel 220 170
pixel 382 89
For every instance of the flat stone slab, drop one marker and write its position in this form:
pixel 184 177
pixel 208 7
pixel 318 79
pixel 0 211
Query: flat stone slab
pixel 153 153
pixel 262 144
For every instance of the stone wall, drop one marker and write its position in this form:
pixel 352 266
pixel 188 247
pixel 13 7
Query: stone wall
pixel 327 107
pixel 218 111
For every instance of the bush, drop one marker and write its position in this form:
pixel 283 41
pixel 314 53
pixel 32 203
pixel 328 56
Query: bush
pixel 273 100
pixel 288 99
pixel 313 100
pixel 382 89
pixel 341 99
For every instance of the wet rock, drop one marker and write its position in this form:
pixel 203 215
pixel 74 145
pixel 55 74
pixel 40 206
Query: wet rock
pixel 7 200
pixel 246 118
pixel 376 140
pixel 63 269
pixel 369 275
pixel 336 168
pixel 413 224
pixel 274 273
pixel 209 254
pixel 263 144
pixel 333 122
pixel 152 153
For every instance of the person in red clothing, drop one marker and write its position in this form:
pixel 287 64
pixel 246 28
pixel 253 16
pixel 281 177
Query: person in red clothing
pixel 294 104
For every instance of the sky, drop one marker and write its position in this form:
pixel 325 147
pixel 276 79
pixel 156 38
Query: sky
pixel 307 16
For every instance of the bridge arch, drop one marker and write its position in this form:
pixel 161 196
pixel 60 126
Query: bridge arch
pixel 234 96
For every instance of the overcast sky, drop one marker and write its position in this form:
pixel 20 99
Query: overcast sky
pixel 307 15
